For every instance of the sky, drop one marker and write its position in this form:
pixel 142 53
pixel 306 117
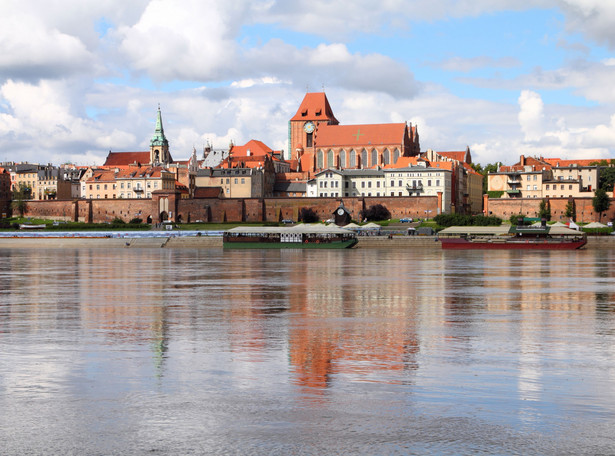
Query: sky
pixel 79 78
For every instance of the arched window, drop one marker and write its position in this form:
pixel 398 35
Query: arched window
pixel 330 162
pixel 353 159
pixel 319 159
pixel 342 159
pixel 395 156
pixel 364 161
pixel 387 157
pixel 374 160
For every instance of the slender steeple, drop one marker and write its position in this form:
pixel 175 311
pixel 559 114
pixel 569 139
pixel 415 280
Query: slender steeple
pixel 159 145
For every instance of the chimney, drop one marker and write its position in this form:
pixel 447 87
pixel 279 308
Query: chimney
pixel 522 160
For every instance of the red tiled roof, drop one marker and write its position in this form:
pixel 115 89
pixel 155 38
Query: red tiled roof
pixel 359 135
pixel 143 171
pixel 460 156
pixel 442 165
pixel 557 162
pixel 207 192
pixel 315 106
pixel 405 162
pixel 255 147
pixel 126 158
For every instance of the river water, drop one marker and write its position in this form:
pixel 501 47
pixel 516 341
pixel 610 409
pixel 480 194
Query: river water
pixel 364 351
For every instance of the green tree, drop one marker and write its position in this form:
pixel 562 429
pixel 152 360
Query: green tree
pixel 544 211
pixel 571 211
pixel 607 178
pixel 601 202
pixel 20 197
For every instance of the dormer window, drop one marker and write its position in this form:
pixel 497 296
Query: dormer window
pixel 319 112
pixel 304 113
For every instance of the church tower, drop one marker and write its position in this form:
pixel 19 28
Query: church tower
pixel 313 112
pixel 159 146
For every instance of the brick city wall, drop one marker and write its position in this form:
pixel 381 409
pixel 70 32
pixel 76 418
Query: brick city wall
pixel 230 210
pixel 505 207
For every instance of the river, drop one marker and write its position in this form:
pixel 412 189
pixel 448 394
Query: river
pixel 363 351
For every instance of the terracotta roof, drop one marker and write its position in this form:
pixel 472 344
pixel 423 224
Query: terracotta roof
pixel 181 187
pixel 207 192
pixel 315 106
pixel 460 156
pixel 102 176
pixel 138 172
pixel 359 136
pixel 126 158
pixel 556 162
pixel 307 161
pixel 405 162
pixel 442 165
pixel 255 147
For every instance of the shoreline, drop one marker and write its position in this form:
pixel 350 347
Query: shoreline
pixel 208 242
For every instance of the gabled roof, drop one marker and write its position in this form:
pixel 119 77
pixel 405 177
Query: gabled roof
pixel 462 156
pixel 315 106
pixel 360 136
pixel 126 158
pixel 255 147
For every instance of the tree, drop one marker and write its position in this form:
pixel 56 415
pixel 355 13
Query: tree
pixel 307 215
pixel 544 211
pixel 571 210
pixel 20 197
pixel 607 178
pixel 601 202
pixel 489 168
pixel 376 213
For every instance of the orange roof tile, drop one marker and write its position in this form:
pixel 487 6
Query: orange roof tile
pixel 255 147
pixel 405 162
pixel 442 165
pixel 315 106
pixel 460 156
pixel 126 158
pixel 359 135
pixel 557 162
pixel 207 192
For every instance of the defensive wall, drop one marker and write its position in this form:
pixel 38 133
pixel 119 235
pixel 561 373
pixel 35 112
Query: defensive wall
pixel 224 210
pixel 529 207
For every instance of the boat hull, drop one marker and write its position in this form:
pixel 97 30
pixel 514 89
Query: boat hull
pixel 346 244
pixel 530 244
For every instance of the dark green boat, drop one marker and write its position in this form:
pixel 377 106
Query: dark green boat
pixel 303 236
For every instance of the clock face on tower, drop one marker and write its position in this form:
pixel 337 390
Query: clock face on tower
pixel 340 211
pixel 309 127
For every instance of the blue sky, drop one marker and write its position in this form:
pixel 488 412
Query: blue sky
pixel 80 78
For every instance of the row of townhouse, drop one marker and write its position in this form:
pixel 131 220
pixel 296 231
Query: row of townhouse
pixel 545 178
pixel 38 182
pixel 131 182
pixel 411 181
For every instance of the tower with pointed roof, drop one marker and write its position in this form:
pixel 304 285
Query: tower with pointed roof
pixel 159 145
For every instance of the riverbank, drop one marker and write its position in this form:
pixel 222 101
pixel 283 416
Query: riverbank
pixel 207 242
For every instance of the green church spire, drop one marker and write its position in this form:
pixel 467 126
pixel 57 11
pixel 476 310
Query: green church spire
pixel 159 139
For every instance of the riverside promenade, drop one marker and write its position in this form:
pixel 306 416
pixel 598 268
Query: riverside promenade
pixel 206 242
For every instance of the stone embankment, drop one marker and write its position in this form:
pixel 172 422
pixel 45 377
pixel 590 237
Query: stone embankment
pixel 207 242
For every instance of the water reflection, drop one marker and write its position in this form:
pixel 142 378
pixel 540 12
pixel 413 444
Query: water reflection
pixel 520 340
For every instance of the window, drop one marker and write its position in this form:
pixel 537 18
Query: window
pixel 228 180
pixel 97 186
pixel 243 180
pixel 535 176
pixel 236 181
pixel 528 187
pixel 369 184
pixel 535 187
pixel 392 183
pixel 400 184
pixel 547 186
pixel 429 182
pixel 378 185
pixel 437 182
pixel 570 187
pixel 362 184
pixel 128 184
pixel 105 186
pixel 90 186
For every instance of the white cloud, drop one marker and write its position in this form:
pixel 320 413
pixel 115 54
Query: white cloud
pixel 531 115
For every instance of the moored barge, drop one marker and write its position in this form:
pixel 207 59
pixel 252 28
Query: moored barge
pixel 506 237
pixel 302 236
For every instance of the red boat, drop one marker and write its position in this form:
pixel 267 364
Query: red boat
pixel 506 237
